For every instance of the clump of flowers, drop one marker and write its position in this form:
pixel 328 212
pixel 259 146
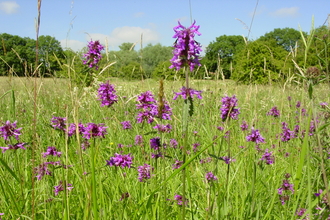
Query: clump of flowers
pixel 10 130
pixel 148 105
pixel 210 177
pixel 13 147
pixel 228 160
pixel 186 49
pixel 179 199
pixel 287 134
pixel 144 172
pixel 244 126
pixel 268 157
pixel 138 140
pixel 284 190
pixel 92 130
pixel 126 125
pixel 228 108
pixel 120 161
pixel 163 128
pixel 155 143
pixel 42 169
pixel 177 164
pixel 107 94
pixel 187 92
pixel 52 151
pixel 58 123
pixel 93 55
pixel 255 136
pixel 60 188
pixel 274 112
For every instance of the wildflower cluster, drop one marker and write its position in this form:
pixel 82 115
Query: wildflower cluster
pixel 148 105
pixel 274 112
pixel 228 108
pixel 186 49
pixel 120 161
pixel 107 94
pixel 210 177
pixel 179 199
pixel 283 191
pixel 93 55
pixel 60 188
pixel 144 172
pixel 268 157
pixel 286 134
pixel 9 130
pixel 187 92
pixel 255 136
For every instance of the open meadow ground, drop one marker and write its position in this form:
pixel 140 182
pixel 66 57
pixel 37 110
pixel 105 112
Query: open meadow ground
pixel 250 151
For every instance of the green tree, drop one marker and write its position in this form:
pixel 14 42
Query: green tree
pixel 285 37
pixel 221 53
pixel 162 71
pixel 261 62
pixel 152 55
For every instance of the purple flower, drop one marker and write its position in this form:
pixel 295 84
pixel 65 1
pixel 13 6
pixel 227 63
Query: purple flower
pixel 186 49
pixel 195 147
pixel 144 172
pixel 42 170
pixel 58 123
pixel 312 127
pixel 173 143
pixel 10 129
pixel 210 177
pixel 138 140
pixel 298 104
pixel 120 160
pixel 85 144
pixel 126 125
pixel 155 143
pixel 93 56
pixel 244 126
pixel 94 130
pixel 255 136
pixel 187 92
pixel 228 160
pixel 156 156
pixel 13 147
pixel 179 199
pixel 163 128
pixel 323 104
pixel 283 191
pixel 274 112
pixel 177 164
pixel 286 134
pixel 268 157
pixel 228 108
pixel 107 94
pixel 52 151
pixel 300 212
pixel 60 188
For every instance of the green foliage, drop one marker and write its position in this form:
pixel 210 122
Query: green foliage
pixel 132 71
pixel 221 53
pixel 285 37
pixel 18 54
pixel 162 71
pixel 261 62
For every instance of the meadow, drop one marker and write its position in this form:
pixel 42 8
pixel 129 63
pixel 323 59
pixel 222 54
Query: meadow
pixel 82 160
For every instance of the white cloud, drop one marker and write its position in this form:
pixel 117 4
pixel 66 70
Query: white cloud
pixel 139 15
pixel 286 12
pixel 73 44
pixel 127 34
pixel 9 7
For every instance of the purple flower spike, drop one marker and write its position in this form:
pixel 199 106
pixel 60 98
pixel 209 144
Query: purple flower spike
pixel 186 49
pixel 93 56
pixel 210 177
pixel 58 123
pixel 60 188
pixel 126 125
pixel 255 136
pixel 13 147
pixel 155 143
pixel 144 172
pixel 268 157
pixel 244 126
pixel 228 108
pixel 107 94
pixel 179 199
pixel 274 112
pixel 94 130
pixel 52 151
pixel 177 164
pixel 9 130
pixel 120 161
pixel 187 92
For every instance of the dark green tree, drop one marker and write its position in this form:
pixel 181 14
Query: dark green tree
pixel 285 37
pixel 221 53
pixel 261 62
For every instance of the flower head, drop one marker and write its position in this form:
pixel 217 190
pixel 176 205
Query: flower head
pixel 244 126
pixel 268 157
pixel 52 151
pixel 187 92
pixel 107 94
pixel 138 140
pixel 177 164
pixel 93 56
pixel 60 188
pixel 144 172
pixel 126 125
pixel 13 147
pixel 58 123
pixel 179 199
pixel 120 161
pixel 228 108
pixel 94 130
pixel 155 143
pixel 186 49
pixel 255 136
pixel 210 177
pixel 9 130
pixel 274 112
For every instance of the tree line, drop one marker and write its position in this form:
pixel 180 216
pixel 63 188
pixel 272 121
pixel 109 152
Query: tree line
pixel 273 57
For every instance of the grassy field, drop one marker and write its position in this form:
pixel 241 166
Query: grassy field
pixel 229 174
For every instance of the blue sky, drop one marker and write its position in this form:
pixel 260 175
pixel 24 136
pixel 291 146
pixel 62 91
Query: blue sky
pixel 113 22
